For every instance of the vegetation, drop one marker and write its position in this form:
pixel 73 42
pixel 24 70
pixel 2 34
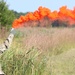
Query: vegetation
pixel 5 19
pixel 37 51
pixel 41 51
pixel 18 14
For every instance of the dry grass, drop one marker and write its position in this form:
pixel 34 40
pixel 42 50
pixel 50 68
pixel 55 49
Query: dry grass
pixel 41 51
pixel 48 38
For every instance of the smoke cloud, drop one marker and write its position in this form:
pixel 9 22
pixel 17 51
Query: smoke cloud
pixel 38 17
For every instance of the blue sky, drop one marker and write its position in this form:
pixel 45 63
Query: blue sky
pixel 32 5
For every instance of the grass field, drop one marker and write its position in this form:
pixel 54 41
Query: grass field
pixel 41 51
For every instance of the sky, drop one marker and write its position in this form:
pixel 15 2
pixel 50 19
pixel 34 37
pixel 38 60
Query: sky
pixel 32 5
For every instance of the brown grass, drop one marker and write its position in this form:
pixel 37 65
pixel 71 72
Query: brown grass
pixel 45 51
pixel 48 38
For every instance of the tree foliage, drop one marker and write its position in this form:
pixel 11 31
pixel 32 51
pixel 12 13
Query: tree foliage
pixel 6 15
pixel 18 14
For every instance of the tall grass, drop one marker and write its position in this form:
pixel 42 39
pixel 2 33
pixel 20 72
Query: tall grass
pixel 41 51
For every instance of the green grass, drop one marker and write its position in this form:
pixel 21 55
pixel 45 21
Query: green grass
pixel 41 51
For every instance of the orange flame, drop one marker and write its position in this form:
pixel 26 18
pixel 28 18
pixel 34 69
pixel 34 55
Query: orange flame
pixel 63 14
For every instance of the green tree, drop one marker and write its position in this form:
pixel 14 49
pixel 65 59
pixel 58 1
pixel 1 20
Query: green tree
pixel 6 15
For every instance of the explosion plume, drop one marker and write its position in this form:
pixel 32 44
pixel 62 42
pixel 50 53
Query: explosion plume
pixel 64 15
